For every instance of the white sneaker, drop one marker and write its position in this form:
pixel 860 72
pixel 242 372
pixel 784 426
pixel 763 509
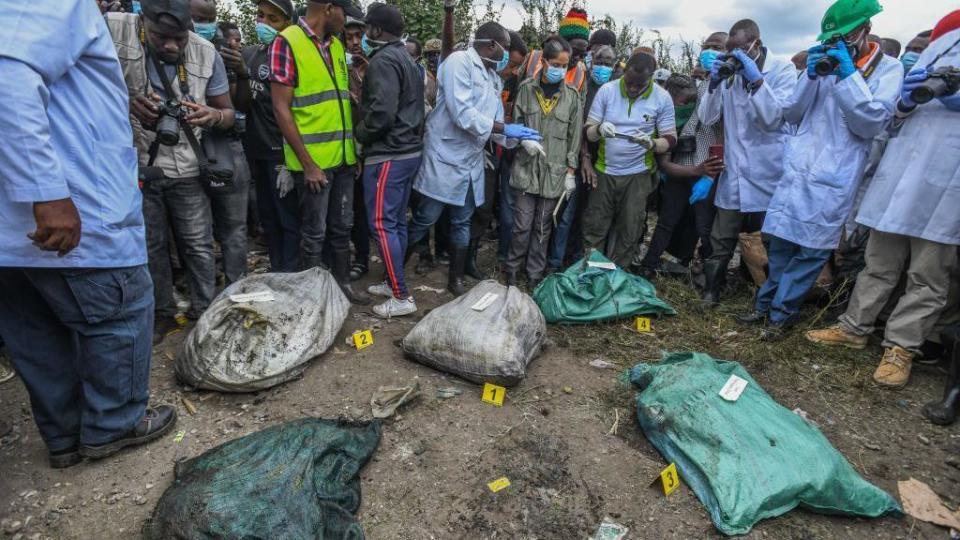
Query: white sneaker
pixel 395 307
pixel 381 289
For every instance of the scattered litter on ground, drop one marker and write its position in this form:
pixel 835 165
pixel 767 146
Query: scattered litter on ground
pixel 921 502
pixel 427 288
pixel 749 459
pixel 189 406
pixel 295 480
pixel 449 392
pixel 493 345
pixel 610 530
pixel 248 347
pixel 600 363
pixel 387 399
pixel 806 417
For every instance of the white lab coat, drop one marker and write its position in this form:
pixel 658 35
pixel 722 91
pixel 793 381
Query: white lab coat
pixel 753 150
pixel 916 191
pixel 836 123
pixel 468 104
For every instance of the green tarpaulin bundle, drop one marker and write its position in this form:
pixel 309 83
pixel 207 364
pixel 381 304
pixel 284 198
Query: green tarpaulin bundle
pixel 594 289
pixel 295 480
pixel 748 459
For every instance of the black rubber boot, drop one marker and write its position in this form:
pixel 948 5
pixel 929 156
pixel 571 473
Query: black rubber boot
pixel 713 273
pixel 510 279
pixel 341 272
pixel 471 268
pixel 945 412
pixel 458 260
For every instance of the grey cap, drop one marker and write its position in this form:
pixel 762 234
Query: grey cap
pixel 286 6
pixel 178 10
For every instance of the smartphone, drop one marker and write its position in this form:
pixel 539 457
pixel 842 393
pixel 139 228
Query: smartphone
pixel 716 150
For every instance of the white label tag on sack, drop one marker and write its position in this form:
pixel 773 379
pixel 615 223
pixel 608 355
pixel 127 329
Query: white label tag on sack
pixel 259 296
pixel 484 301
pixel 734 387
pixel 604 265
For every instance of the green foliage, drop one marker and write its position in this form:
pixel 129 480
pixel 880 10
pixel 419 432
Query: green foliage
pixel 540 19
pixel 629 37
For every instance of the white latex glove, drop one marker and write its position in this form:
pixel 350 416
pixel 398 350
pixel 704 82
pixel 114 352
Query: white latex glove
pixel 607 130
pixel 570 183
pixel 643 140
pixel 284 182
pixel 533 147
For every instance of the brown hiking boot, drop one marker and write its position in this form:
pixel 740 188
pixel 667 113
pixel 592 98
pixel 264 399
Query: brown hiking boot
pixel 836 335
pixel 894 368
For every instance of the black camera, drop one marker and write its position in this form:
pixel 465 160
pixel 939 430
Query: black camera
pixel 686 145
pixel 945 81
pixel 728 67
pixel 147 174
pixel 828 64
pixel 171 113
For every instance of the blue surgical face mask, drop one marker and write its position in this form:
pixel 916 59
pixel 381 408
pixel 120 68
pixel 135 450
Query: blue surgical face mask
pixel 266 33
pixel 205 30
pixel 554 74
pixel 135 7
pixel 909 60
pixel 368 48
pixel 601 74
pixel 504 62
pixel 707 58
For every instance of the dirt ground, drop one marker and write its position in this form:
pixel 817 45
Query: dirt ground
pixel 573 457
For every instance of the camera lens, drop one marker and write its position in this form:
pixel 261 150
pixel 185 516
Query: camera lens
pixel 930 89
pixel 168 130
pixel 826 66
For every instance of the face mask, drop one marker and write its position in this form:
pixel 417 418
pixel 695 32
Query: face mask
pixel 554 74
pixel 205 30
pixel 504 62
pixel 266 33
pixel 601 74
pixel 366 46
pixel 135 7
pixel 707 58
pixel 909 60
pixel 588 59
pixel 683 114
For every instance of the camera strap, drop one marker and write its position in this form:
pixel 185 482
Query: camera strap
pixel 187 128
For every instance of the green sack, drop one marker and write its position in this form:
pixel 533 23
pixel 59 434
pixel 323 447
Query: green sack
pixel 295 480
pixel 748 459
pixel 584 294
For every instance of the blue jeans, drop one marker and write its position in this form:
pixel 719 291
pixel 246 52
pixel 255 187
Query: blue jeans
pixel 80 340
pixel 180 205
pixel 793 271
pixel 428 212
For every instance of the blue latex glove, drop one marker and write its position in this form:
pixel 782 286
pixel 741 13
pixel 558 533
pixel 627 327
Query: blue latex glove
pixel 951 102
pixel 701 190
pixel 911 82
pixel 715 78
pixel 814 55
pixel 520 131
pixel 750 71
pixel 841 54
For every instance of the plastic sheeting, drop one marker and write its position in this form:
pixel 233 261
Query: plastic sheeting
pixel 251 345
pixel 749 459
pixel 295 480
pixel 583 293
pixel 494 344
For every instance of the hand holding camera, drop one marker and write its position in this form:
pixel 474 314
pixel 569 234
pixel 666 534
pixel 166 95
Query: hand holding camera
pixel 145 109
pixel 202 115
pixel 748 67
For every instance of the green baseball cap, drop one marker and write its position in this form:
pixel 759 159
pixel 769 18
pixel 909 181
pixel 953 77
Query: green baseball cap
pixel 845 15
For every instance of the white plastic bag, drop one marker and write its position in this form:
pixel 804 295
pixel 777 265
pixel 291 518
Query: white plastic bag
pixel 249 346
pixel 480 339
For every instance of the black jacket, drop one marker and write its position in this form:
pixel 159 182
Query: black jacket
pixel 392 101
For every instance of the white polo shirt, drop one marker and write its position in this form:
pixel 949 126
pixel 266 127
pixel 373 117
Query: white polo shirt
pixel 651 113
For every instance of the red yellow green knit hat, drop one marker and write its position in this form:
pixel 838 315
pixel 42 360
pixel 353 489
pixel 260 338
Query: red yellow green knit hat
pixel 575 25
